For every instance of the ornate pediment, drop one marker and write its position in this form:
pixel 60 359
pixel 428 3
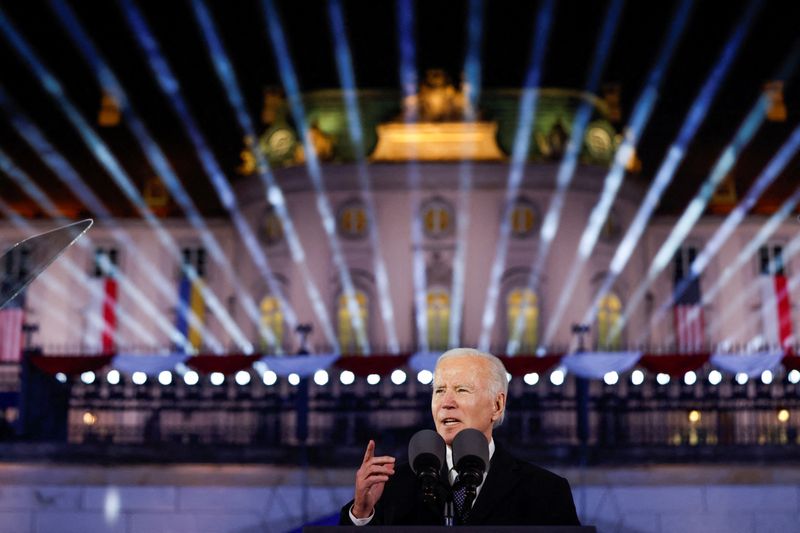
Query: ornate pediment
pixel 438 124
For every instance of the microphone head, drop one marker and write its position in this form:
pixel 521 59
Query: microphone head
pixel 426 451
pixel 470 448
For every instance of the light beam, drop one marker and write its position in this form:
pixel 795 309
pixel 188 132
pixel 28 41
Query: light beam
pixel 613 181
pixel 67 174
pixel 344 65
pixel 291 86
pixel 744 134
pixel 472 88
pixel 773 169
pixel 674 157
pixel 408 85
pixel 526 114
pixel 566 170
pixel 109 82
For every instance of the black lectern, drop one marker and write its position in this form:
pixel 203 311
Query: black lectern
pixel 460 529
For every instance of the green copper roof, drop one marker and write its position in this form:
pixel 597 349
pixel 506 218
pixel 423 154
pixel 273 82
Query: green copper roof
pixel 555 112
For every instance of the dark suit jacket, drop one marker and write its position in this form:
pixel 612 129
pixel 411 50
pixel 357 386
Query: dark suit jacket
pixel 514 493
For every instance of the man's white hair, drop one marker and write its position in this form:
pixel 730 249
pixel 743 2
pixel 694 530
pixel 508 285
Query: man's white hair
pixel 498 376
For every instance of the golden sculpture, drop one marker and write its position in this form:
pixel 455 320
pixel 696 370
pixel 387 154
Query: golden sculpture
pixel 438 125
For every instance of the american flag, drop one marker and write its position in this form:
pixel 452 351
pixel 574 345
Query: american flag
pixel 11 319
pixel 687 306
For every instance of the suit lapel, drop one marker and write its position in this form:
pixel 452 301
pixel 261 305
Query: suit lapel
pixel 500 480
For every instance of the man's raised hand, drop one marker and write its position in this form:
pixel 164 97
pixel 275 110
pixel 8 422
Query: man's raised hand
pixel 370 480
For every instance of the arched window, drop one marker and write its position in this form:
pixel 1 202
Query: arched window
pixel 352 220
pixel 438 316
pixel 348 337
pixel 271 320
pixel 523 218
pixel 608 315
pixel 523 302
pixel 438 218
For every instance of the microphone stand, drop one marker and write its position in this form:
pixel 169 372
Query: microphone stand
pixel 448 513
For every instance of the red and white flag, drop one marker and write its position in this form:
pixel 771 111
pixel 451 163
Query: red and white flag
pixel 776 309
pixel 102 315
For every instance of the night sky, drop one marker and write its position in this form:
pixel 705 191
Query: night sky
pixel 372 33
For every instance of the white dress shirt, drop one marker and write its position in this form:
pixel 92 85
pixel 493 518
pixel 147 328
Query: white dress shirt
pixel 452 474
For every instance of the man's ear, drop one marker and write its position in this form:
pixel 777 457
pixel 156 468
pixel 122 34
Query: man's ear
pixel 499 406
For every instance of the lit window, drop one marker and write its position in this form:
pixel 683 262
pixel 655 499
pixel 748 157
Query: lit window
pixel 523 218
pixel 271 320
pixel 608 316
pixel 437 218
pixel 348 338
pixel 523 302
pixel 438 314
pixel 352 220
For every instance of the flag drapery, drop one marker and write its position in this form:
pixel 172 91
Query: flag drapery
pixel 109 314
pixel 687 304
pixel 102 315
pixel 190 302
pixel 776 311
pixel 12 317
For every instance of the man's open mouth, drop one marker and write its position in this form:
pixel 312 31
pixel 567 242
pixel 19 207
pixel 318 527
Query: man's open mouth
pixel 450 421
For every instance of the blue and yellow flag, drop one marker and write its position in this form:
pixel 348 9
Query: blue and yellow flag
pixel 190 302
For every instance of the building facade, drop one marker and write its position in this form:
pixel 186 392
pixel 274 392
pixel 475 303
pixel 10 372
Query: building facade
pixel 394 243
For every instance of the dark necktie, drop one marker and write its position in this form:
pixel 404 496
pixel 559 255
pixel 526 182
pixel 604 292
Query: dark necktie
pixel 460 502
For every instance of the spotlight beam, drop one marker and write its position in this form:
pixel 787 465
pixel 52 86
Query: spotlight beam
pixel 675 154
pixel 158 161
pixel 697 205
pixel 472 88
pixel 566 170
pixel 732 221
pixel 77 273
pixel 274 198
pixel 274 195
pixel 170 86
pixel 344 65
pixel 104 156
pixel 613 181
pixel 291 86
pixel 527 114
pixel 67 174
pixel 408 85
pixel 789 251
pixel 752 246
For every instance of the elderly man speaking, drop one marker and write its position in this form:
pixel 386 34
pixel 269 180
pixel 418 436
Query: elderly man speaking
pixel 469 391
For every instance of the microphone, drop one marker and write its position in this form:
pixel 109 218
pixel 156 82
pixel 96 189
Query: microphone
pixel 426 453
pixel 470 457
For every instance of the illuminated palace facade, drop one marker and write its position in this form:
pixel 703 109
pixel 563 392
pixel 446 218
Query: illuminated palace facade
pixel 429 171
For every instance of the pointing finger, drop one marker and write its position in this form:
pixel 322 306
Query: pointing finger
pixel 370 451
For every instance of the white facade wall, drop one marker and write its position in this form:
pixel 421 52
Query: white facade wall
pixel 61 308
